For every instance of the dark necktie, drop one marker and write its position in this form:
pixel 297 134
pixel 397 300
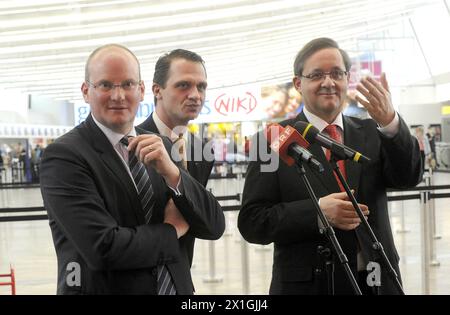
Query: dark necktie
pixel 145 193
pixel 332 131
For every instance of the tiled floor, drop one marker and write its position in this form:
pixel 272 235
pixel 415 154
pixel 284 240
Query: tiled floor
pixel 29 248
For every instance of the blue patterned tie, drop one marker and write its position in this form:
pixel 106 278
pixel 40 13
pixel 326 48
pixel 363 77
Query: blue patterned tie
pixel 145 193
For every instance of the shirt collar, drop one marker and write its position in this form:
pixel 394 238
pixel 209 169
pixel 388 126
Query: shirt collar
pixel 166 131
pixel 321 124
pixel 113 136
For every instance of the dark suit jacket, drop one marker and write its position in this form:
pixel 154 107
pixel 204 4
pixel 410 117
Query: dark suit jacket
pixel 97 220
pixel 277 208
pixel 197 166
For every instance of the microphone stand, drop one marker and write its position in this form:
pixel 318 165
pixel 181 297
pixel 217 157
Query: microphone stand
pixel 376 245
pixel 329 232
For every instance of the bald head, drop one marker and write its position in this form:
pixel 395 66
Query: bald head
pixel 108 48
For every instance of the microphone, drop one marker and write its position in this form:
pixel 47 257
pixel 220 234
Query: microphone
pixel 340 151
pixel 290 146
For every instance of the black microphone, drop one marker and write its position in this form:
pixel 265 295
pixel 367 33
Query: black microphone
pixel 340 151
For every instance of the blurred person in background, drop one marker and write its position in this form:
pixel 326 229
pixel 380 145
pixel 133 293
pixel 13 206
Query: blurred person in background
pixel 274 100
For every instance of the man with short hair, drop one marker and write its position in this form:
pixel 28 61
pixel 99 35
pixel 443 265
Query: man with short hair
pixel 277 208
pixel 112 193
pixel 179 88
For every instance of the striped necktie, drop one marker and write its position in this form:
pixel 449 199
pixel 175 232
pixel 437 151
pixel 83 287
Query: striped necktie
pixel 145 193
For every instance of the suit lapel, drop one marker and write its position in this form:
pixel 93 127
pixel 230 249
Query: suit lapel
pixel 149 125
pixel 112 161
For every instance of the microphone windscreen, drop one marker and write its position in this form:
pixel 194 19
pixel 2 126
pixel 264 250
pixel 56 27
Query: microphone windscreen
pixel 307 130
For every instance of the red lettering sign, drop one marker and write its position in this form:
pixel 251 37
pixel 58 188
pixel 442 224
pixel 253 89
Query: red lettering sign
pixel 226 105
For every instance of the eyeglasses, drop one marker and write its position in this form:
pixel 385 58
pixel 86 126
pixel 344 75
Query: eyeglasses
pixel 106 86
pixel 335 75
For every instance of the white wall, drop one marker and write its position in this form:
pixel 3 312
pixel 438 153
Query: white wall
pixel 418 104
pixel 47 111
pixel 421 114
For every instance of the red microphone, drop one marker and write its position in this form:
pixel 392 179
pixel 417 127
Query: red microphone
pixel 290 145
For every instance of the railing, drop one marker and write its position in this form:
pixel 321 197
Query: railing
pixel 13 218
pixel 425 194
pixel 18 173
pixel 12 280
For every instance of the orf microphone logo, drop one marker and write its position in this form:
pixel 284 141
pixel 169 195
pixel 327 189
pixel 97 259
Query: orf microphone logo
pixel 374 274
pixel 277 143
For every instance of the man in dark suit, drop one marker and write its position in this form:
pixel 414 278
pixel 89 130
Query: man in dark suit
pixel 179 89
pixel 277 208
pixel 120 213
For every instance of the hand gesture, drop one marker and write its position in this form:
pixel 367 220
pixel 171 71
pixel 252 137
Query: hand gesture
pixel 150 150
pixel 378 99
pixel 173 216
pixel 340 212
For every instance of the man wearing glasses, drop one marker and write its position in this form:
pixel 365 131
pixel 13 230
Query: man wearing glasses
pixel 277 207
pixel 112 193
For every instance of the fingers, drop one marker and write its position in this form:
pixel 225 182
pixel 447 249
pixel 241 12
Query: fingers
pixel 344 216
pixel 147 147
pixel 369 87
pixel 150 150
pixel 342 195
pixel 174 217
pixel 141 141
pixel 377 99
pixel 346 197
pixel 348 206
pixel 373 92
pixel 384 82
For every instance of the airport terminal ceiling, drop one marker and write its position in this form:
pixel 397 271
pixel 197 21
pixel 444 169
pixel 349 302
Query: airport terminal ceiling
pixel 44 44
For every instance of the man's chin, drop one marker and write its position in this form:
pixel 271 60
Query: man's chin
pixel 120 123
pixel 192 115
pixel 328 108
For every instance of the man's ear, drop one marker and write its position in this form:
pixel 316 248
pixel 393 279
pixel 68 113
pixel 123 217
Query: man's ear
pixel 142 90
pixel 297 84
pixel 156 89
pixel 84 91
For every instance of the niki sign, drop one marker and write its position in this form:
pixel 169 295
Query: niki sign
pixel 228 104
pixel 242 103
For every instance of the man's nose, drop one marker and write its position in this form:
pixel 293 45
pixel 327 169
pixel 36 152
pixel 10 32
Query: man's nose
pixel 194 93
pixel 328 81
pixel 117 93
